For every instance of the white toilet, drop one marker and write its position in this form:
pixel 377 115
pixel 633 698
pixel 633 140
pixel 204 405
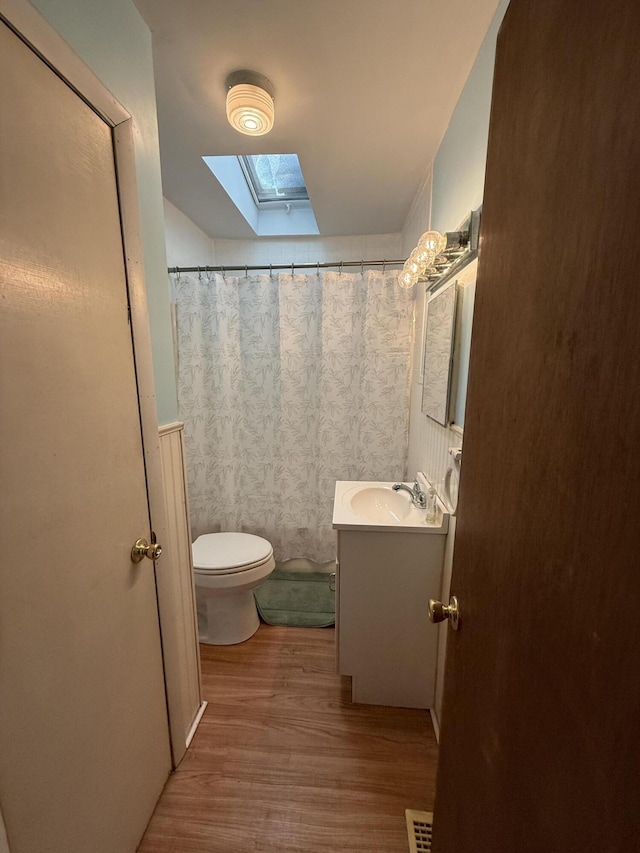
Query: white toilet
pixel 227 568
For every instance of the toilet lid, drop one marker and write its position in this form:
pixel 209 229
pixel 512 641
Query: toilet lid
pixel 223 552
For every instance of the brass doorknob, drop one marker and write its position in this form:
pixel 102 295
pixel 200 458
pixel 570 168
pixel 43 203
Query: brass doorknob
pixel 438 612
pixel 143 549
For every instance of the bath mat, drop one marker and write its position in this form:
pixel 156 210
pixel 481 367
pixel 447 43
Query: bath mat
pixel 297 600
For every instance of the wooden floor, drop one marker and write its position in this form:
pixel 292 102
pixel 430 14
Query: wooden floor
pixel 283 761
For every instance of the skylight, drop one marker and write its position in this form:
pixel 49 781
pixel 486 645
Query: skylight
pixel 268 190
pixel 274 177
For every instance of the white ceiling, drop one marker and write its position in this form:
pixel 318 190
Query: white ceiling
pixel 364 90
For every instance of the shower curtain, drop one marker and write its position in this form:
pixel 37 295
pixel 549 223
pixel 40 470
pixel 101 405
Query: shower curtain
pixel 286 384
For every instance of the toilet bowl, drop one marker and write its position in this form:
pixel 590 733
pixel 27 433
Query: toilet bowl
pixel 227 568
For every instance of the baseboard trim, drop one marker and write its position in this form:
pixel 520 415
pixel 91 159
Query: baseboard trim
pixel 435 722
pixel 196 723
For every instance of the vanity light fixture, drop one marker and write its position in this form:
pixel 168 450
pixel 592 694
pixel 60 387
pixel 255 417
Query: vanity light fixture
pixel 438 255
pixel 423 257
pixel 250 105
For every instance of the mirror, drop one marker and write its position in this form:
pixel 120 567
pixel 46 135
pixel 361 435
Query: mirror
pixel 465 287
pixel 438 353
pixel 446 333
pixel 466 292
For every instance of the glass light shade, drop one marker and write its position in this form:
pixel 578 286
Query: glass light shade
pixel 432 242
pixel 407 279
pixel 423 255
pixel 250 109
pixel 414 265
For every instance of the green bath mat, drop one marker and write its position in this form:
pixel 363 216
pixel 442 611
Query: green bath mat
pixel 297 599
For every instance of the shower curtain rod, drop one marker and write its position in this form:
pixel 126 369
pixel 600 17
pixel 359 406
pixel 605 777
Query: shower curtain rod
pixel 320 265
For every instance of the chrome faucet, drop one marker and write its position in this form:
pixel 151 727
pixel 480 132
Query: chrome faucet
pixel 418 497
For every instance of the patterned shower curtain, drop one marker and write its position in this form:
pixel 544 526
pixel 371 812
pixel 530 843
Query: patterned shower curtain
pixel 287 384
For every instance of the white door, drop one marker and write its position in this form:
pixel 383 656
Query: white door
pixel 84 748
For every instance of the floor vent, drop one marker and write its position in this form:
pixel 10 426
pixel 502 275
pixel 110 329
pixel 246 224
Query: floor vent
pixel 419 830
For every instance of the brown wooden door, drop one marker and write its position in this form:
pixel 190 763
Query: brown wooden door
pixel 84 749
pixel 541 720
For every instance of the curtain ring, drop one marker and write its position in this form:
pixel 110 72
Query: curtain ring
pixel 177 275
pixel 199 274
pixel 362 268
pixel 318 270
pixel 292 264
pixel 270 270
pixel 384 267
pixel 341 264
pixel 224 278
pixel 246 271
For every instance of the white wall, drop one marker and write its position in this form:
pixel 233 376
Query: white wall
pixel 428 441
pixel 419 216
pixel 283 250
pixel 453 187
pixel 458 169
pixel 187 245
pixel 115 43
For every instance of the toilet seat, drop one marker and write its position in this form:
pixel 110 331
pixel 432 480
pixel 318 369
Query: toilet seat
pixel 230 553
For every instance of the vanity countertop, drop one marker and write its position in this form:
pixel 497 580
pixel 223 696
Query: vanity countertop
pixel 374 506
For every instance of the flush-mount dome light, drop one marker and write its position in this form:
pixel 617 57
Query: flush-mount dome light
pixel 250 106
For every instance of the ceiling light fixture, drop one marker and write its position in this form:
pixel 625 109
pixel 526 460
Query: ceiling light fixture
pixel 250 107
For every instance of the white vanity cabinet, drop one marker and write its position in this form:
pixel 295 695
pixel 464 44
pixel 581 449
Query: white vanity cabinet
pixel 385 576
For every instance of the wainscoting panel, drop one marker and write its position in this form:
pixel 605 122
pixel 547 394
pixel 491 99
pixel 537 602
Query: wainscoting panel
pixel 179 628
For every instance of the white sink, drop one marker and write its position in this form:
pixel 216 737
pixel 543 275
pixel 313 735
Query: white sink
pixel 376 506
pixel 380 504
